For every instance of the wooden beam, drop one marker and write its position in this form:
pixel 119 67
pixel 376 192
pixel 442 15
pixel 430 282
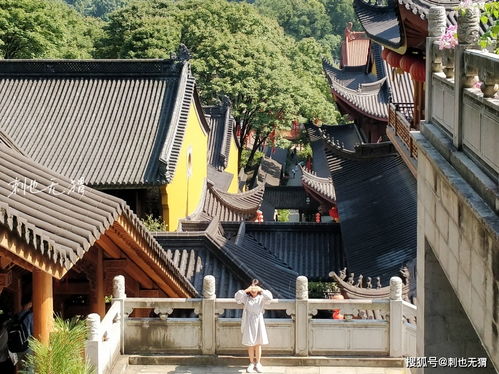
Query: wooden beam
pixel 109 247
pixel 43 305
pixel 125 265
pixel 144 249
pixel 26 256
pixel 143 261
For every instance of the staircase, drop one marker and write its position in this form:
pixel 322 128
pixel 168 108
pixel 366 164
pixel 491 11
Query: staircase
pixel 195 364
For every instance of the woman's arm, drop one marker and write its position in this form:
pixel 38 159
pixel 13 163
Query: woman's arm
pixel 267 296
pixel 241 297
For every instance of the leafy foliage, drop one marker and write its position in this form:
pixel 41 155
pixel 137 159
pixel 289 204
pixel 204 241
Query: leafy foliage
pixel 269 77
pixel 300 18
pixel 490 39
pixel 318 290
pixel 96 8
pixel 283 215
pixel 154 224
pixel 44 28
pixel 65 352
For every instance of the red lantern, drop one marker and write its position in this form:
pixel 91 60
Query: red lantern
pixel 317 217
pixel 406 63
pixel 333 213
pixel 385 53
pixel 393 59
pixel 418 71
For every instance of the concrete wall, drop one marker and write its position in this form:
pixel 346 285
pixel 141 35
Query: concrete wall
pixel 458 243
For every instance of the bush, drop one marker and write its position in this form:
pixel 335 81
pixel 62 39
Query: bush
pixel 317 290
pixel 65 353
pixel 283 215
pixel 154 224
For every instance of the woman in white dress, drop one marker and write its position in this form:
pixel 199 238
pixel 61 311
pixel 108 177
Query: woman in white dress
pixel 253 329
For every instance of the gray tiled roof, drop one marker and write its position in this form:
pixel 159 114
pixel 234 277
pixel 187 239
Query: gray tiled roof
pixel 112 122
pixel 368 93
pixel 376 199
pixel 221 179
pixel 381 23
pixel 321 186
pixel 227 206
pixel 221 125
pixel 310 249
pixel 271 252
pixel 61 226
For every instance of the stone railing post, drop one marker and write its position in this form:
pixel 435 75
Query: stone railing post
pixel 119 295
pixel 208 340
pixel 468 27
pixel 301 317
pixel 396 318
pixel 436 27
pixel 93 344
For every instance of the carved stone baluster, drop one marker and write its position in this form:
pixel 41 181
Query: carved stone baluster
pixel 208 315
pixel 302 317
pixel 448 62
pixel 489 82
pixel 468 26
pixel 437 19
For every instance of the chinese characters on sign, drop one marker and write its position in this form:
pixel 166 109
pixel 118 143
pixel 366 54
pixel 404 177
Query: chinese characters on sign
pixel 31 186
pixel 450 362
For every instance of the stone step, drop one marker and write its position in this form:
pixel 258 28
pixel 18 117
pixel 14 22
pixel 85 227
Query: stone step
pixel 226 360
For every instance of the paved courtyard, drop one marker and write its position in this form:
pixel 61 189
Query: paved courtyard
pixel 183 369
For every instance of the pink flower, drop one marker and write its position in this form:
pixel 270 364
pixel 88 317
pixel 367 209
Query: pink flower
pixel 449 39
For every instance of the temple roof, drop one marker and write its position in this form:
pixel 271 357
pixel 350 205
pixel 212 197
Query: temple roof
pixel 376 200
pixel 354 49
pixel 221 125
pixel 227 206
pixel 368 93
pixel 59 218
pixel 381 23
pixel 235 253
pixel 323 187
pixel 112 122
pixel 233 263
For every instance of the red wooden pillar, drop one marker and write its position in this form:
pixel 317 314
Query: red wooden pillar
pixel 99 304
pixel 43 305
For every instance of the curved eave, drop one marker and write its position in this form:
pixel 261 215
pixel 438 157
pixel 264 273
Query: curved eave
pixel 382 24
pixel 245 202
pixel 358 109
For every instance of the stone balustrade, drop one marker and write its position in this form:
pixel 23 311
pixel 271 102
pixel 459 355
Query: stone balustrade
pixel 462 86
pixel 207 332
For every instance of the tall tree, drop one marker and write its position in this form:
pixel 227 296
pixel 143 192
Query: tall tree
pixel 236 52
pixel 97 8
pixel 299 18
pixel 44 28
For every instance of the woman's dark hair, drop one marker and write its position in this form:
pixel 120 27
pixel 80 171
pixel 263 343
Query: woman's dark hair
pixel 254 282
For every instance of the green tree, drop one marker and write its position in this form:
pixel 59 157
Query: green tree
pixel 340 13
pixel 299 18
pixel 65 352
pixel 44 28
pixel 236 52
pixel 96 8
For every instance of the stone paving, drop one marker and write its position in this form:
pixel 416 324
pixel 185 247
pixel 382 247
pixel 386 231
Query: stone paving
pixel 183 369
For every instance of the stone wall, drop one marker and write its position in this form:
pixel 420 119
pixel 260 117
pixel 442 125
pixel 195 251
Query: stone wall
pixel 462 232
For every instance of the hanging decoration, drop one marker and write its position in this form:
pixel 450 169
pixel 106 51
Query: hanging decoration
pixel 418 71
